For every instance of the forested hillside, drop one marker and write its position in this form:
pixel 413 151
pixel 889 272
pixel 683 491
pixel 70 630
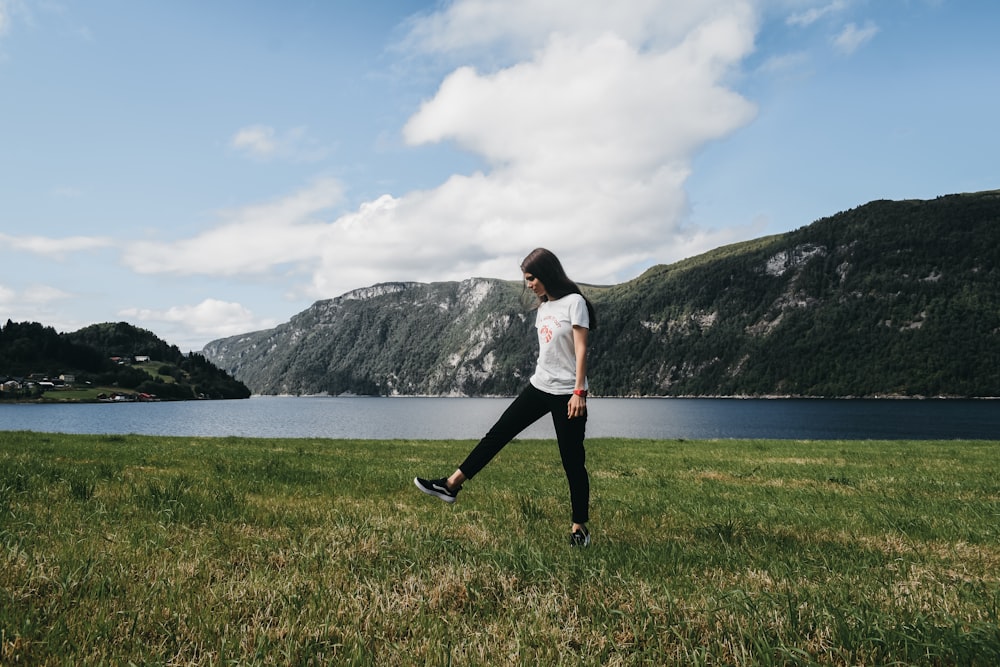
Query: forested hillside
pixel 887 299
pixel 102 355
pixel 891 298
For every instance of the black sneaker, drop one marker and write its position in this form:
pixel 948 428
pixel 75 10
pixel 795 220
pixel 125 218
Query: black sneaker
pixel 437 487
pixel 580 537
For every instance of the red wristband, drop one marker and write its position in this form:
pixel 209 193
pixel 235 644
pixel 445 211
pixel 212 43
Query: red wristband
pixel 580 392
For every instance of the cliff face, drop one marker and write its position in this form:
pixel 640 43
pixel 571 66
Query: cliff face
pixel 890 298
pixel 467 338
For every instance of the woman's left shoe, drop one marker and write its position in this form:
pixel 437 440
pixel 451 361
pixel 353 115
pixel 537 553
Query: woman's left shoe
pixel 580 537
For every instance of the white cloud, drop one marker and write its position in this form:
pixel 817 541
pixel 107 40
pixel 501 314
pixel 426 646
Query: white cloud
pixel 31 296
pixel 810 16
pixel 251 240
pixel 263 142
pixel 7 295
pixel 852 37
pixel 589 132
pixel 257 140
pixel 210 319
pixel 785 64
pixel 590 138
pixel 38 294
pixel 32 303
pixel 52 247
pixel 22 13
pixel 474 28
pixel 597 106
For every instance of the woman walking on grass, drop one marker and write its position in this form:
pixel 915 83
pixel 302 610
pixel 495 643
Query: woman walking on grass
pixel 558 387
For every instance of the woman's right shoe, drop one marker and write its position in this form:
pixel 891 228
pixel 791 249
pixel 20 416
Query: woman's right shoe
pixel 580 537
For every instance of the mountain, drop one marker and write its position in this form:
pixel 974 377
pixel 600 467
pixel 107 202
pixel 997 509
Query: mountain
pixel 467 338
pixel 893 298
pixel 104 355
pixel 193 373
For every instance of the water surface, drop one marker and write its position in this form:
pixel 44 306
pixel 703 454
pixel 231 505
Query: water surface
pixel 469 418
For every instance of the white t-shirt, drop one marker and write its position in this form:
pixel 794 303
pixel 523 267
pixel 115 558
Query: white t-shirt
pixel 555 372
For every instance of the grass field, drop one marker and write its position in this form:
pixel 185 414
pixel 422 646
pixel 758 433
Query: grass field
pixel 85 394
pixel 202 551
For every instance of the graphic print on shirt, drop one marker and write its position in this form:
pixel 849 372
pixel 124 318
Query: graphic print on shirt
pixel 546 331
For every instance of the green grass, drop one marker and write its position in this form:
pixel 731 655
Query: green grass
pixel 202 551
pixel 88 394
pixel 152 368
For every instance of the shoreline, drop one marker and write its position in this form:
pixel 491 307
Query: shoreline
pixel 767 397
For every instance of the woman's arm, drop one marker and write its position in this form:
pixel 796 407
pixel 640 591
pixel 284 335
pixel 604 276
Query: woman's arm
pixel 578 404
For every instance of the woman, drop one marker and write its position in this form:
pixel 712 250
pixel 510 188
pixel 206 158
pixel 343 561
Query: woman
pixel 558 387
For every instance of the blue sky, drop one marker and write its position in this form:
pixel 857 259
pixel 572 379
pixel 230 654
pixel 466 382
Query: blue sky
pixel 204 169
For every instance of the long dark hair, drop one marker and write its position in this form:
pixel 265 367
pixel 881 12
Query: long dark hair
pixel 544 265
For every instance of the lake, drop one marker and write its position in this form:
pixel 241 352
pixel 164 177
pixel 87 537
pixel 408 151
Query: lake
pixel 469 418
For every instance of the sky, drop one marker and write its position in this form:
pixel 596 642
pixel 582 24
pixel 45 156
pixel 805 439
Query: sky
pixel 206 169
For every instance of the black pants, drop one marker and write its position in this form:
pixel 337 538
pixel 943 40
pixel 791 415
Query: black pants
pixel 531 405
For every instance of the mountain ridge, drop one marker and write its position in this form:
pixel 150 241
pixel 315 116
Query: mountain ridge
pixel 891 298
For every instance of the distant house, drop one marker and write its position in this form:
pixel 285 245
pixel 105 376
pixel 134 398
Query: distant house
pixel 67 378
pixel 141 359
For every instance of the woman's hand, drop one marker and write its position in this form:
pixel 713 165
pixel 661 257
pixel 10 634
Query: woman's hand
pixel 577 406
